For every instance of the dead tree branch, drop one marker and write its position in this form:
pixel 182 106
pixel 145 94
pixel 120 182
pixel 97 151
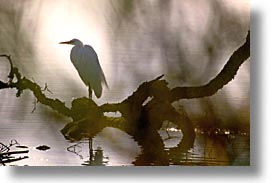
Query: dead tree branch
pixel 225 76
pixel 88 117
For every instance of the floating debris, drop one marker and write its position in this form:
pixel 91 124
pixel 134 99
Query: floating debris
pixel 4 148
pixel 43 148
pixel 9 159
pixel 22 147
pixel 6 156
pixel 13 142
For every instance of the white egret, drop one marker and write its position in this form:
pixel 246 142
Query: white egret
pixel 85 60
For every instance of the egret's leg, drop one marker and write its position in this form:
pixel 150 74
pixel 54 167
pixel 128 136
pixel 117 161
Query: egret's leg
pixel 90 93
pixel 166 129
pixel 91 149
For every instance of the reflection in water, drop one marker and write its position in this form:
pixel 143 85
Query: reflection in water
pixel 95 157
pixel 211 150
pixel 208 149
pixel 214 150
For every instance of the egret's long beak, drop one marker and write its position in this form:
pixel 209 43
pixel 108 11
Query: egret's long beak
pixel 65 42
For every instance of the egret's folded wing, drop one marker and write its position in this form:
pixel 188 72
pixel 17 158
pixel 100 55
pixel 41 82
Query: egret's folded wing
pixel 86 62
pixel 102 76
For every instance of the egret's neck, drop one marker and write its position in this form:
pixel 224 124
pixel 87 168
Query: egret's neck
pixel 78 43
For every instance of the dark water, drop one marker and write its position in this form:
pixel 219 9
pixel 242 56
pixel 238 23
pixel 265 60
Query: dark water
pixel 213 150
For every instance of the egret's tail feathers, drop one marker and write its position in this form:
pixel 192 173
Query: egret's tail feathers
pixel 104 81
pixel 97 90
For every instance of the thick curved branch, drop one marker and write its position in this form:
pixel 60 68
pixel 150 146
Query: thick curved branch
pixel 225 76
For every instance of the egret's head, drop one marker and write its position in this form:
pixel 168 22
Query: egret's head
pixel 75 42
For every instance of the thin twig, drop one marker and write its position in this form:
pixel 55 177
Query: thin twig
pixel 47 89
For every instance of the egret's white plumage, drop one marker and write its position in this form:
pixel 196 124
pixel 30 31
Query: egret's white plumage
pixel 85 60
